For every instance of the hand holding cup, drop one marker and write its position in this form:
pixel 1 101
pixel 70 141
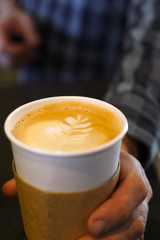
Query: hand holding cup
pixel 107 153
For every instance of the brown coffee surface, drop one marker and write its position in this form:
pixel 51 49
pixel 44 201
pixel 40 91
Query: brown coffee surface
pixel 67 126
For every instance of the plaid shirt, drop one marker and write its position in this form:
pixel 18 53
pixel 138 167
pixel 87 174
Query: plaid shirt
pixel 86 40
pixel 82 39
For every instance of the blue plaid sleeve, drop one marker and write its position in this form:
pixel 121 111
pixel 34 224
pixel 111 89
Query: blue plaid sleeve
pixel 136 87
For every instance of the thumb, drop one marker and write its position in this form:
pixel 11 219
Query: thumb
pixel 9 188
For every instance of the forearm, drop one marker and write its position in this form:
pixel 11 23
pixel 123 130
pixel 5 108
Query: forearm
pixel 136 90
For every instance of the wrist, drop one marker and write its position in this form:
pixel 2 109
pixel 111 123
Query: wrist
pixel 130 146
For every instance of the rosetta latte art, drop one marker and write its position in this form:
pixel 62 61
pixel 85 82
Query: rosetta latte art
pixel 73 128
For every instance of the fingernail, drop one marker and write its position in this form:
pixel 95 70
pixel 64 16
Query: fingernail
pixel 99 228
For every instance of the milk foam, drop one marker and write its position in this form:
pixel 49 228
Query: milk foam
pixel 67 129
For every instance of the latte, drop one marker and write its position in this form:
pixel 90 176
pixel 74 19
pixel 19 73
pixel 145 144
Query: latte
pixel 67 126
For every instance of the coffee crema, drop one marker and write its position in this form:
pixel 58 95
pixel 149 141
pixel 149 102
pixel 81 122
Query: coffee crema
pixel 67 126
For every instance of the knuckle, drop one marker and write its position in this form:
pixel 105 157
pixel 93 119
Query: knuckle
pixel 138 227
pixel 147 189
pixel 142 190
pixel 145 185
pixel 138 222
pixel 149 192
pixel 141 223
pixel 142 211
pixel 137 162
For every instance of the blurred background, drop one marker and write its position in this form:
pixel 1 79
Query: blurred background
pixel 8 78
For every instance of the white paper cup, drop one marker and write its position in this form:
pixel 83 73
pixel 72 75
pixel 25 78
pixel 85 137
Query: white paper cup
pixel 65 171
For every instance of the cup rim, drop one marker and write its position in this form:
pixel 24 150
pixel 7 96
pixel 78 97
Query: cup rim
pixel 43 101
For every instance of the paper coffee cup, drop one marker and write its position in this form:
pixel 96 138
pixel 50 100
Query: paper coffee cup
pixel 59 190
pixel 57 215
pixel 69 171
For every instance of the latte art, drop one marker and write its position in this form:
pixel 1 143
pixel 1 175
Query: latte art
pixel 77 128
pixel 67 126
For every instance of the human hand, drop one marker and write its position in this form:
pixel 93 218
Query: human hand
pixel 124 215
pixel 19 40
